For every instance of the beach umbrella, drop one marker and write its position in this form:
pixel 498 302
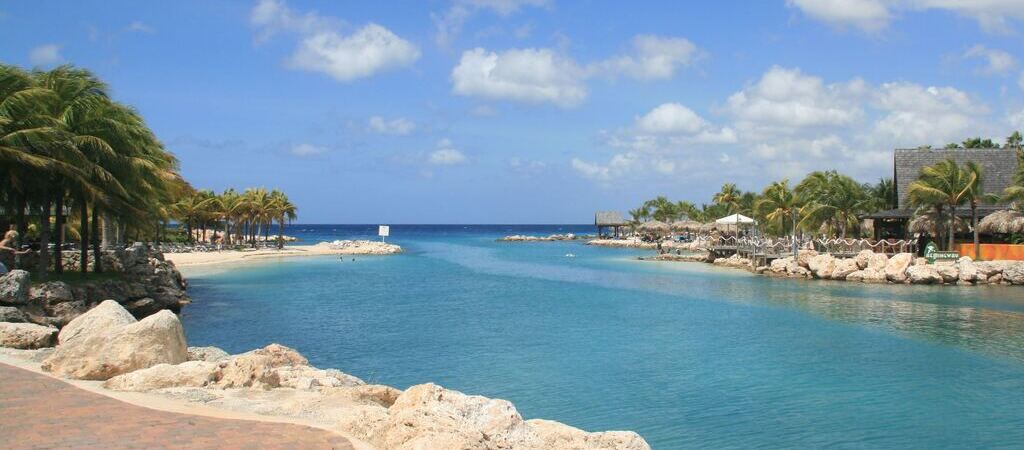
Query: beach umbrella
pixel 686 225
pixel 655 227
pixel 925 223
pixel 1006 221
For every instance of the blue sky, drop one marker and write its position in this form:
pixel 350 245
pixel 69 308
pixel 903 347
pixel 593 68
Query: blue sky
pixel 535 111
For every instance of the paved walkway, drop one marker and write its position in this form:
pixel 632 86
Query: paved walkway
pixel 39 412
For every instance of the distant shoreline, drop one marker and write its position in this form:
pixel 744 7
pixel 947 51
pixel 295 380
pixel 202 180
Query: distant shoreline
pixel 194 259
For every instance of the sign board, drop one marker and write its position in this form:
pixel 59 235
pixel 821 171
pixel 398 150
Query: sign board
pixel 932 253
pixel 383 231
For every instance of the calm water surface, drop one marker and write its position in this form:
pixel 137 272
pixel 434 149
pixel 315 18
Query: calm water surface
pixel 685 354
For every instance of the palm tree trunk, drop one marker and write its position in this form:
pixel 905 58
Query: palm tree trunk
pixel 21 223
pixel 44 235
pixel 188 229
pixel 58 238
pixel 83 234
pixel 952 227
pixel 97 266
pixel 280 233
pixel 974 228
pixel 227 232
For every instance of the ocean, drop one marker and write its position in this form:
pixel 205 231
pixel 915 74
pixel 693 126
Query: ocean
pixel 686 354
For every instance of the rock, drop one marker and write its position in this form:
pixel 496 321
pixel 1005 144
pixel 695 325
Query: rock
pixel 822 266
pixel 26 335
pixel 989 268
pixel 949 272
pixel 867 276
pixel 307 378
pixel 803 257
pixel 995 279
pixel 920 261
pixel 844 267
pixel 210 354
pixel 376 393
pixel 160 376
pixel 256 369
pixel 967 270
pixel 923 274
pixel 64 313
pixel 102 319
pixel 878 261
pixel 862 259
pixel 779 265
pixel 142 307
pixel 12 314
pixel 14 287
pixel 552 435
pixel 1014 273
pixel 50 293
pixel 154 340
pixel 896 268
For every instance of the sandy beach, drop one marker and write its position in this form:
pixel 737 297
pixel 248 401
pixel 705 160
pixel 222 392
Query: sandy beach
pixel 324 248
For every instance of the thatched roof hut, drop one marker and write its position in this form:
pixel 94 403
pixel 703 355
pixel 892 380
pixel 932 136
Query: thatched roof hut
pixel 1005 221
pixel 925 223
pixel 686 225
pixel 655 227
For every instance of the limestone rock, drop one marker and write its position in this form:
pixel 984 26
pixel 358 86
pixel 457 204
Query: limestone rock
pixel 26 335
pixel 550 435
pixel 923 274
pixel 862 259
pixel 210 354
pixel 868 275
pixel 844 267
pixel 967 270
pixel 803 257
pixel 101 355
pixel 50 293
pixel 1014 272
pixel 822 266
pixel 102 319
pixel 256 369
pixel 14 287
pixel 161 376
pixel 878 261
pixel 896 268
pixel 307 378
pixel 950 273
pixel 779 265
pixel 12 314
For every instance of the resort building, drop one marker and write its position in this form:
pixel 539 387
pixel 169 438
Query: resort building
pixel 998 165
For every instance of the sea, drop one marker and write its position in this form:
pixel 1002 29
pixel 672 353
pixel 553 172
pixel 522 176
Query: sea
pixel 686 354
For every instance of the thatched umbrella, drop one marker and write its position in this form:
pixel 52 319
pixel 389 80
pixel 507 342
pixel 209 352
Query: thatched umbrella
pixel 655 227
pixel 925 223
pixel 686 225
pixel 1006 221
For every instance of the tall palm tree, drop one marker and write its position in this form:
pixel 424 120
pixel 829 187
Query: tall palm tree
pixel 831 199
pixel 728 196
pixel 282 209
pixel 976 195
pixel 778 203
pixel 943 185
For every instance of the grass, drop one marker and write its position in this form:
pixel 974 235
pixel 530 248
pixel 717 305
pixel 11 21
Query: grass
pixel 76 278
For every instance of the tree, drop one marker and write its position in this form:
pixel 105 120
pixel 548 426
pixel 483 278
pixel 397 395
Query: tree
pixel 1014 141
pixel 977 142
pixel 831 199
pixel 729 196
pixel 883 195
pixel 943 185
pixel 777 205
pixel 976 195
pixel 281 208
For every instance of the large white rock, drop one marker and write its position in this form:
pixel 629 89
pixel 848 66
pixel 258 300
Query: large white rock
pixel 878 261
pixel 896 269
pixel 307 378
pixel 950 273
pixel 14 287
pixel 161 376
pixel 867 276
pixel 103 319
pixel 843 268
pixel 157 339
pixel 257 368
pixel 1014 272
pixel 779 265
pixel 428 416
pixel 968 271
pixel 822 266
pixel 923 274
pixel 862 258
pixel 26 335
pixel 803 257
pixel 209 354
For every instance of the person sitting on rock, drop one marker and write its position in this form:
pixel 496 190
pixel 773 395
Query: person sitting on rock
pixel 7 245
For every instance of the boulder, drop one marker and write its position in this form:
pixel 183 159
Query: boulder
pixel 26 335
pixel 143 307
pixel 308 378
pixel 14 287
pixel 896 268
pixel 550 435
pixel 822 266
pixel 988 269
pixel 50 293
pixel 920 261
pixel 1014 272
pixel 878 261
pixel 157 339
pixel 968 272
pixel 867 276
pixel 923 274
pixel 376 393
pixel 803 257
pixel 844 267
pixel 779 265
pixel 12 314
pixel 103 319
pixel 950 273
pixel 209 354
pixel 256 369
pixel 64 313
pixel 862 259
pixel 160 376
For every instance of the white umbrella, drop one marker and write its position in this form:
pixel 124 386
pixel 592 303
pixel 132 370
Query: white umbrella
pixel 736 219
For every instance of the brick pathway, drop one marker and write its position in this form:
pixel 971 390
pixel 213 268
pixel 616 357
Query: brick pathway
pixel 39 412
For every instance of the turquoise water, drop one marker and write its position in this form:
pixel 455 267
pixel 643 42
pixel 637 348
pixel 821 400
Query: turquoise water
pixel 685 354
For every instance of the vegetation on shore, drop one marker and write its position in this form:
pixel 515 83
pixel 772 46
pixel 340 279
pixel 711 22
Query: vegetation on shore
pixel 241 216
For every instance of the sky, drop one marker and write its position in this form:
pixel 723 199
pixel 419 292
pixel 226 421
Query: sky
pixel 535 111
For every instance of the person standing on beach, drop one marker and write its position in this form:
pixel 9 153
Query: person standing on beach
pixel 6 246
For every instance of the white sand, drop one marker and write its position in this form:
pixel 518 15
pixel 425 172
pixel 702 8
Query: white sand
pixel 234 256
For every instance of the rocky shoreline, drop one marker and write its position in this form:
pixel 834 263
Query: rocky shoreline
pixel 870 267
pixel 549 238
pixel 147 353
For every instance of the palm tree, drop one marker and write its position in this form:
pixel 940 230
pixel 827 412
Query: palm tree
pixel 976 195
pixel 943 185
pixel 831 199
pixel 1014 141
pixel 281 209
pixel 777 204
pixel 728 196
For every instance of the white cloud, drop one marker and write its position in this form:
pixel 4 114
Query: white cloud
pixel 399 126
pixel 997 62
pixel 449 24
pixel 671 118
pixel 874 15
pixel 1016 120
pixel 140 27
pixel 655 58
pixel 526 165
pixel 868 15
pixel 45 55
pixel 323 48
pixel 528 75
pixel 785 100
pixel 446 154
pixel 483 111
pixel 918 115
pixel 307 150
pixel 619 165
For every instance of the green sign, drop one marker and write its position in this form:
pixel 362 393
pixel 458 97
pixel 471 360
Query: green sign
pixel 932 253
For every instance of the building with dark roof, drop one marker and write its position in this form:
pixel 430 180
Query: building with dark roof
pixel 609 219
